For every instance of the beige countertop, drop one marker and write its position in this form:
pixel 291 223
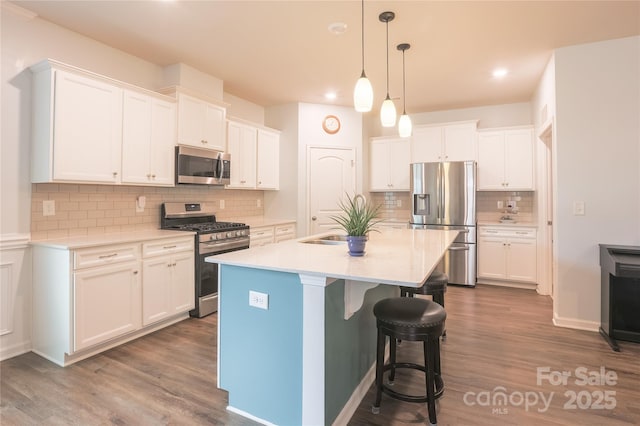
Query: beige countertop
pixel 393 256
pixel 78 242
pixel 260 221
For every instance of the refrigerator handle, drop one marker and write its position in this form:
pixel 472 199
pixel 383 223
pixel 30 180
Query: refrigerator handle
pixel 442 190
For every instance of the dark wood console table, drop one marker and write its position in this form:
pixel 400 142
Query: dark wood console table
pixel 620 288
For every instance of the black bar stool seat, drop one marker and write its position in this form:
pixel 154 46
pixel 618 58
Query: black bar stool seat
pixel 413 319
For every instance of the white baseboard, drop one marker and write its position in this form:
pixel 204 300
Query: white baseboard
pixel 576 324
pixel 512 284
pixel 249 416
pixel 14 350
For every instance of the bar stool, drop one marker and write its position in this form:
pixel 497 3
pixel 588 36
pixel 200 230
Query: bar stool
pixel 413 319
pixel 435 286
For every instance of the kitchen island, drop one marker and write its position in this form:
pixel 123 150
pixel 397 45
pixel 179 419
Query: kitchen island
pixel 304 353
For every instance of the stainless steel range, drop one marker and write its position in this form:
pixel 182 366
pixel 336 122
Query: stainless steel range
pixel 212 237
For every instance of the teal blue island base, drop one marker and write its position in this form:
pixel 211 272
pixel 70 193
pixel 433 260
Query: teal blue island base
pixel 298 362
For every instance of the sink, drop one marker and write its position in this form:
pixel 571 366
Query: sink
pixel 327 239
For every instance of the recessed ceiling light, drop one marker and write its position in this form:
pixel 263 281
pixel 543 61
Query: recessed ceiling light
pixel 500 72
pixel 330 96
pixel 337 28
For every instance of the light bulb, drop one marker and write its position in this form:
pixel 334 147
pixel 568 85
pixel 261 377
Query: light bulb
pixel 404 126
pixel 363 94
pixel 388 113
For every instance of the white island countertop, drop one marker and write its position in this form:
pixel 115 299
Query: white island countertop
pixel 403 257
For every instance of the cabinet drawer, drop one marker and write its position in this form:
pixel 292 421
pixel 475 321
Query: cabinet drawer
pixel 508 233
pixel 160 247
pixel 261 233
pixel 285 229
pixel 96 256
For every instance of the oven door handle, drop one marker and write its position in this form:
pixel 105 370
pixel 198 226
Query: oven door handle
pixel 211 249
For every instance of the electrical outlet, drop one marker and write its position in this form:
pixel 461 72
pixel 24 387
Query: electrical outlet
pixel 398 203
pixel 141 201
pixel 578 208
pixel 259 202
pixel 258 300
pixel 49 208
pixel 500 204
pixel 221 204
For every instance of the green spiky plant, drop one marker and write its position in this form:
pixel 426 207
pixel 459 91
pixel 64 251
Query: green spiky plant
pixel 359 215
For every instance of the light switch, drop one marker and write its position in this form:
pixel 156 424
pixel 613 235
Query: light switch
pixel 578 208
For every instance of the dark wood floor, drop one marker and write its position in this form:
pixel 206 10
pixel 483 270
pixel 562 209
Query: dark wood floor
pixel 497 339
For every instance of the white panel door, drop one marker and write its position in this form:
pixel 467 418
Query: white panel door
pixel 88 129
pixel 268 160
pixel 163 141
pixel 491 161
pixel 492 259
pixel 136 137
pixel 460 142
pixel 107 303
pixel 519 159
pixel 156 289
pixel 426 144
pixel 242 147
pixel 214 127
pixel 183 283
pixel 191 118
pixel 522 265
pixel 379 166
pixel 399 153
pixel 331 177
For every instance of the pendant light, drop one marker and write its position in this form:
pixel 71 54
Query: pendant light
pixel 404 124
pixel 363 93
pixel 388 109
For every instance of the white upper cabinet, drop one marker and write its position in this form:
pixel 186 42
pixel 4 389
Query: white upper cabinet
pixel 200 123
pixel 242 142
pixel 444 142
pixel 92 129
pixel 505 159
pixel 148 140
pixel 268 160
pixel 255 156
pixel 389 164
pixel 77 128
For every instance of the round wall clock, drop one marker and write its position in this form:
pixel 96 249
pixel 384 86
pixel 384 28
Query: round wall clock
pixel 331 124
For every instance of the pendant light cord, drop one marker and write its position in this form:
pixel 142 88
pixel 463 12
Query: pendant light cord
pixel 362 9
pixel 387 22
pixel 404 91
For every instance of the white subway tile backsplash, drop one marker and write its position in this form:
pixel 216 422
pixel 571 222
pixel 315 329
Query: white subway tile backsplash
pixel 100 209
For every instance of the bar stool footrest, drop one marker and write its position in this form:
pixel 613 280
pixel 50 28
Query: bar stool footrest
pixel 412 398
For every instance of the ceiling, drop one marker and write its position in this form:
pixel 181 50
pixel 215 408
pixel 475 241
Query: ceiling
pixel 275 52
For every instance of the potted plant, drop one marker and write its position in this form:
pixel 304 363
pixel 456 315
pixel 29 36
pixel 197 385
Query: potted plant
pixel 358 218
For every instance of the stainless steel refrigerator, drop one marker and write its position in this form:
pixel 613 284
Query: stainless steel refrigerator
pixel 443 196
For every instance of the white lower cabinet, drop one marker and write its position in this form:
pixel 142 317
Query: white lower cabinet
pixel 507 254
pixel 261 236
pixel 106 303
pixel 285 232
pixel 87 300
pixel 269 234
pixel 168 286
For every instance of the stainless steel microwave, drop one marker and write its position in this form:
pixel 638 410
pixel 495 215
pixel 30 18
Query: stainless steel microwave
pixel 202 166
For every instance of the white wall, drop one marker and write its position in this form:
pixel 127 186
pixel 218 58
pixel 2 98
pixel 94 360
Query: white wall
pixel 301 126
pixel 283 204
pixel 597 151
pixel 543 110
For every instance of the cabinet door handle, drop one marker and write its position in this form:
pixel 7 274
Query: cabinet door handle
pixel 115 174
pixel 106 256
pixel 135 272
pixel 203 141
pixel 153 176
pixel 522 232
pixel 169 247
